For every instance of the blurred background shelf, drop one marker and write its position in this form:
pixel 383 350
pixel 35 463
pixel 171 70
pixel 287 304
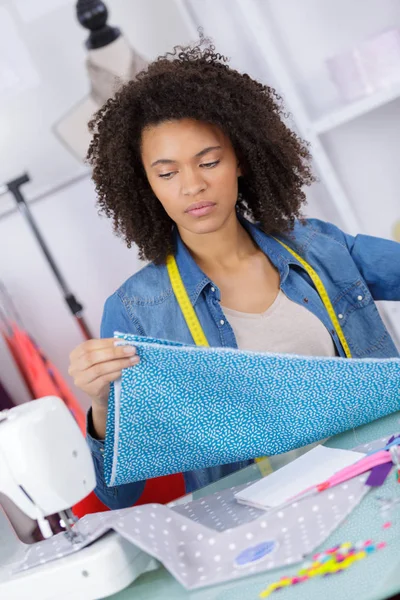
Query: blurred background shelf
pixel 355 109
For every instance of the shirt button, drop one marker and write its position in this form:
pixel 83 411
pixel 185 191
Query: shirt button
pixel 222 322
pixel 359 298
pixel 213 289
pixel 102 450
pixel 340 316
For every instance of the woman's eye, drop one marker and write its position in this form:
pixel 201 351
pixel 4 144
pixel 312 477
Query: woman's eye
pixel 210 165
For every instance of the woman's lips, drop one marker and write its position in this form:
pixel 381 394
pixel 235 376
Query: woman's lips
pixel 200 209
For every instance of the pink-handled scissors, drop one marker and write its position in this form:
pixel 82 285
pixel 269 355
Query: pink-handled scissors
pixel 361 466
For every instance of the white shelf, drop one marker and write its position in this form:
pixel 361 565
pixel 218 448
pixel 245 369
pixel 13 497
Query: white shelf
pixel 355 109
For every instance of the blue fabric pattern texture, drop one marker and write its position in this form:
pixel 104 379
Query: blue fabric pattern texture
pixel 186 407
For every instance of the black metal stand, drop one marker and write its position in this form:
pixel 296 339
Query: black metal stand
pixel 75 307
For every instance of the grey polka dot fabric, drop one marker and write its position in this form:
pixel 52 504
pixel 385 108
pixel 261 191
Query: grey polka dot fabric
pixel 214 539
pixel 220 511
pixel 184 408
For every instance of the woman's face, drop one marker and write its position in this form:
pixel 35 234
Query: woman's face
pixel 193 170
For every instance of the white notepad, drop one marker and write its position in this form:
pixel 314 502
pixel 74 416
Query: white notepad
pixel 308 470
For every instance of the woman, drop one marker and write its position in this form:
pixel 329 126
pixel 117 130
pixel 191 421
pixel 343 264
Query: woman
pixel 186 159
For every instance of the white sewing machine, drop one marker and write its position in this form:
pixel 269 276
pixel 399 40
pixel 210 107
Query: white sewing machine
pixel 45 468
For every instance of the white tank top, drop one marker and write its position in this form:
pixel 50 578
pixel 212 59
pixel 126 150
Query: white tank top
pixel 285 328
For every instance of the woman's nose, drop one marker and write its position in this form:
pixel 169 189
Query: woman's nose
pixel 192 183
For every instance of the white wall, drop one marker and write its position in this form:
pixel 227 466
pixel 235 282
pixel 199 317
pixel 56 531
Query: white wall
pixel 93 261
pixel 312 30
pixel 55 43
pixel 364 151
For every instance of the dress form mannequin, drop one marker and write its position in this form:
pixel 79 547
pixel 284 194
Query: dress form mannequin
pixel 110 66
pixel 115 57
pixel 110 62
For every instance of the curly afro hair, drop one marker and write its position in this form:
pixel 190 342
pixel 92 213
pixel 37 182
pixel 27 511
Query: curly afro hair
pixel 195 82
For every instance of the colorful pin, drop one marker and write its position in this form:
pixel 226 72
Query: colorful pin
pixel 333 560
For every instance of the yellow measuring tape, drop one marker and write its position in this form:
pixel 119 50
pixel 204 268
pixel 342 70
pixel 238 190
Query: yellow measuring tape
pixel 186 307
pixel 324 297
pixel 198 334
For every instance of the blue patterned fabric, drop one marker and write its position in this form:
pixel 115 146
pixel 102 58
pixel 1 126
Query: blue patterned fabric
pixel 186 407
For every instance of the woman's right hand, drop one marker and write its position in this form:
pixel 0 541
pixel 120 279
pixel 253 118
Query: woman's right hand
pixel 93 366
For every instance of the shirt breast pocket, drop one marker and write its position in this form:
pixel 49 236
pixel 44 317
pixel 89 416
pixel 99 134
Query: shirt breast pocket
pixel 360 320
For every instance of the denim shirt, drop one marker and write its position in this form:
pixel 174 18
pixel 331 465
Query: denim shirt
pixel 354 270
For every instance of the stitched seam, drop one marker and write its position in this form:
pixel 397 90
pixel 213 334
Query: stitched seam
pixel 303 247
pixel 359 283
pixel 272 251
pixel 347 315
pixel 377 346
pixel 333 239
pixel 299 248
pixel 199 288
pixel 127 305
pixel 151 301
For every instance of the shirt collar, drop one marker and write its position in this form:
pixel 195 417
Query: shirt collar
pixel 192 276
pixel 195 280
